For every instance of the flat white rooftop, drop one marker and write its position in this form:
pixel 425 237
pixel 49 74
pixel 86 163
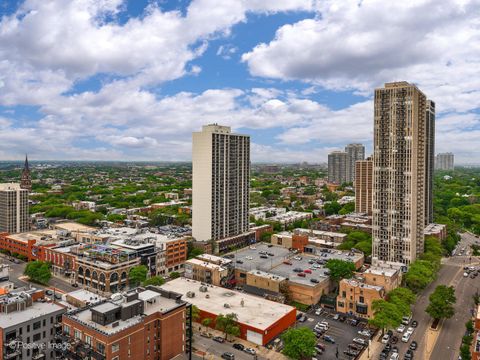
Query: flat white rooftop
pixel 37 310
pixel 205 264
pixel 256 312
pixel 85 295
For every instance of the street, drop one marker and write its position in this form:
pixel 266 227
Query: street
pixel 16 271
pixel 450 334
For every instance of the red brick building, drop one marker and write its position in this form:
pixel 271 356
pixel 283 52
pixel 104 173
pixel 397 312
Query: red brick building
pixel 259 320
pixel 143 324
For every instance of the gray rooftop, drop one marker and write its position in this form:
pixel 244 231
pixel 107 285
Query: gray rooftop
pixel 37 310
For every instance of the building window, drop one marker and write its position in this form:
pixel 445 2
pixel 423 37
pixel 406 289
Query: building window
pixel 37 325
pixel 344 294
pixel 78 334
pixel 66 329
pixel 36 337
pixel 101 348
pixel 362 299
pixel 115 347
pixel 88 340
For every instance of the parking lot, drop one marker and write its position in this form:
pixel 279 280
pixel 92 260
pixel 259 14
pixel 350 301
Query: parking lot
pixel 341 331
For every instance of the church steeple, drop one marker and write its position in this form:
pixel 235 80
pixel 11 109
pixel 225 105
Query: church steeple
pixel 26 181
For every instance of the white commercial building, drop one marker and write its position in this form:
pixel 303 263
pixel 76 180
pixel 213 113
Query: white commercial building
pixel 13 208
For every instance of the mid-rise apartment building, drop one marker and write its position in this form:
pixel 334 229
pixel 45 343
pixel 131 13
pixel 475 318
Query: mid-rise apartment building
pixel 150 324
pixel 399 174
pixel 337 167
pixel 354 152
pixel 14 216
pixel 363 186
pixel 28 326
pixel 221 183
pixel 444 161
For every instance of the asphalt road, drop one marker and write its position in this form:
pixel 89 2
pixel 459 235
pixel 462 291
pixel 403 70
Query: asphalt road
pixel 16 271
pixel 448 342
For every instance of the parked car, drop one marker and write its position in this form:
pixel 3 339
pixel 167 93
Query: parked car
pixel 228 356
pixel 250 351
pixel 394 340
pixel 414 323
pixel 401 328
pixel 239 262
pixel 218 339
pixel 315 281
pixel 361 341
pixel 364 333
pixel 49 292
pixel 394 356
pixel 239 346
pixel 385 339
pixel 336 317
pixel 302 318
pixel 263 256
pixel 406 336
pixel 329 339
pixel 286 262
pixel 205 334
pixel 409 355
pixel 319 310
pixel 406 320
pixel 320 346
pixel 74 285
pixel 307 271
pixel 413 345
pixel 301 274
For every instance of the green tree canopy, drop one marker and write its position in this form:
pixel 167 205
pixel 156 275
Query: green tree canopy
pixel 38 271
pixel 137 275
pixel 385 315
pixel 154 280
pixel 299 343
pixel 441 302
pixel 340 269
pixel 174 275
pixel 228 324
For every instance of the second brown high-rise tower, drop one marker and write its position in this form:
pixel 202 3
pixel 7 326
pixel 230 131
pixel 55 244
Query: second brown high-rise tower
pixel 399 172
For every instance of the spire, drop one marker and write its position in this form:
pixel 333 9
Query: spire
pixel 26 167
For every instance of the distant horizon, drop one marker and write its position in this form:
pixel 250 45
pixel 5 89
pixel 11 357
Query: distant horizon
pixel 185 162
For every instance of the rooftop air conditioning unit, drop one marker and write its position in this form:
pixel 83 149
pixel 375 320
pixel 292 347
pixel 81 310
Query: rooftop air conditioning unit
pixel 226 305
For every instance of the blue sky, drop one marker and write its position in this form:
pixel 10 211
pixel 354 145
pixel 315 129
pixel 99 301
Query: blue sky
pixel 130 80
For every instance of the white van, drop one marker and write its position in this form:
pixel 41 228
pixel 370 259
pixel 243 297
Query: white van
pixel 406 336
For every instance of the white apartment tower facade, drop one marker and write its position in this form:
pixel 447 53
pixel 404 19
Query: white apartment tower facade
pixel 220 183
pixel 399 173
pixel 354 152
pixel 14 215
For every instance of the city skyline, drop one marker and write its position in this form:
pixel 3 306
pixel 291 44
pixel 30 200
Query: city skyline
pixel 116 105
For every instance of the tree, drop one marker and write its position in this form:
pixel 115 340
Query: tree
pixel 228 324
pixel 441 302
pixel 340 269
pixel 155 281
pixel 195 313
pixel 174 275
pixel 207 321
pixel 299 343
pixel 332 208
pixel 385 315
pixel 402 298
pixel 38 271
pixel 137 275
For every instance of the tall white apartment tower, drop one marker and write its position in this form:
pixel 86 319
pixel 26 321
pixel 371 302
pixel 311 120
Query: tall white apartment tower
pixel 14 217
pixel 354 152
pixel 221 183
pixel 400 151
